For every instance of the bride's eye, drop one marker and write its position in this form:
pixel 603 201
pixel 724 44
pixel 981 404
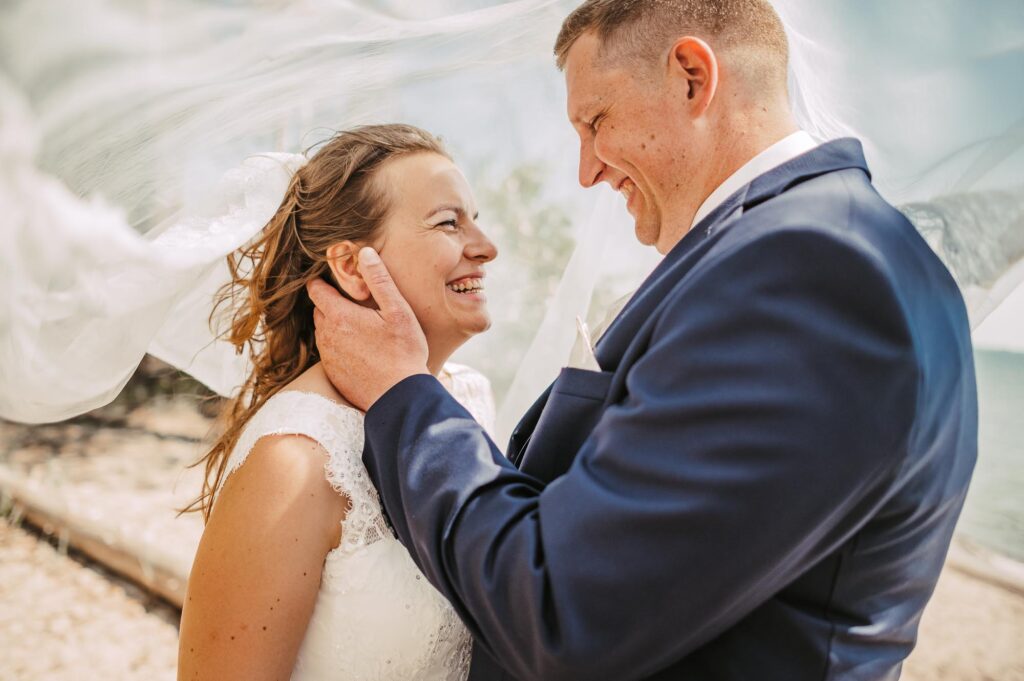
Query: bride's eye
pixel 449 224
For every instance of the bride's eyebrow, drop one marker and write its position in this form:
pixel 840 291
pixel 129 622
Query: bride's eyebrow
pixel 458 210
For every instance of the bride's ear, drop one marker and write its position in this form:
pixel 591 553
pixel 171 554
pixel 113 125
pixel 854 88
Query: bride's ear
pixel 343 259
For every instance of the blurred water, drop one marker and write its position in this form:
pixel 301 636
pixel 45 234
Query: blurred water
pixel 994 514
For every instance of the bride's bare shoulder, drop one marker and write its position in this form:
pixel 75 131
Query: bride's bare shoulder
pixel 284 471
pixel 314 380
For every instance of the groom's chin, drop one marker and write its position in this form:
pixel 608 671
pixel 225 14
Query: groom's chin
pixel 646 233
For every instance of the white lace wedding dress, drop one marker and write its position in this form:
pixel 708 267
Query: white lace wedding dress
pixel 376 618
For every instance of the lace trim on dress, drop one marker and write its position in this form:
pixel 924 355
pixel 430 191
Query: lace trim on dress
pixel 473 391
pixel 339 430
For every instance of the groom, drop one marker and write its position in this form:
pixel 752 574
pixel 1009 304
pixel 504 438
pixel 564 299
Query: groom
pixel 762 481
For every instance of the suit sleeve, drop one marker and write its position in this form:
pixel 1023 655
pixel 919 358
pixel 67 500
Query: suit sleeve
pixel 761 427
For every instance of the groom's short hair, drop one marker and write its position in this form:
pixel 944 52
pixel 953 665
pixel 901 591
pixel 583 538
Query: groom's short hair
pixel 639 30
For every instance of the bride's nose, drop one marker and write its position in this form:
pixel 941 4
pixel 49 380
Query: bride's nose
pixel 479 248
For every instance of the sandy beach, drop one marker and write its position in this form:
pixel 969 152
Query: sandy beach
pixel 73 620
pixel 971 631
pixel 62 620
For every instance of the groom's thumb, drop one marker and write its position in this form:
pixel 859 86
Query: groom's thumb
pixel 382 286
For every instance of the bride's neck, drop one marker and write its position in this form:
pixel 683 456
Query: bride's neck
pixel 436 362
pixel 438 354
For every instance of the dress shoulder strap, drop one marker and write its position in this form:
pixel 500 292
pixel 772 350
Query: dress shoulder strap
pixel 339 430
pixel 298 413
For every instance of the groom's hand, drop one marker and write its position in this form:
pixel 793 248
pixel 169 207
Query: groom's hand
pixel 364 351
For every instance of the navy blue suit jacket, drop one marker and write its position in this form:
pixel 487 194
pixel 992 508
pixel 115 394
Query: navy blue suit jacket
pixel 760 485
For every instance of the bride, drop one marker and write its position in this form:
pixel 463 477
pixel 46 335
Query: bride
pixel 297 572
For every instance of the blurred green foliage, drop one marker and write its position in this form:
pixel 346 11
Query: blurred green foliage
pixel 534 239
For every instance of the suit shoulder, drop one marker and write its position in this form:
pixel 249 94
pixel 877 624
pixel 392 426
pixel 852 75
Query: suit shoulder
pixel 802 248
pixel 840 213
pixel 812 269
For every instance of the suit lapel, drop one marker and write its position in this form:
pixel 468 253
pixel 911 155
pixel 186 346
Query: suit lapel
pixel 613 345
pixel 840 154
pixel 622 330
pixel 524 429
pixel 680 260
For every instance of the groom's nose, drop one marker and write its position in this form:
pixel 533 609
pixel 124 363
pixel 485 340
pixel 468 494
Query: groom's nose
pixel 594 171
pixel 591 167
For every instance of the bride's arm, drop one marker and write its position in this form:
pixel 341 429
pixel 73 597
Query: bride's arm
pixel 257 572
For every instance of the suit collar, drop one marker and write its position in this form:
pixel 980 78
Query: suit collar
pixel 841 154
pixel 775 155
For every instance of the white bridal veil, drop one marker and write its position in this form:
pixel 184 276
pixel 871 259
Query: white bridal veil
pixel 140 142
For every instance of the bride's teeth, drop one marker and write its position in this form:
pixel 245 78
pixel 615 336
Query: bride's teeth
pixel 467 285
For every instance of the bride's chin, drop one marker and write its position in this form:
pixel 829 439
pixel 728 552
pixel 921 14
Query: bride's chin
pixel 461 329
pixel 476 326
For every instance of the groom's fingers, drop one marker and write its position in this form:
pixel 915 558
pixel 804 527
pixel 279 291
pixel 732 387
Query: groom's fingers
pixel 323 295
pixel 382 286
pixel 331 307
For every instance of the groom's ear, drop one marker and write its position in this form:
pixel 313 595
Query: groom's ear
pixel 695 66
pixel 343 259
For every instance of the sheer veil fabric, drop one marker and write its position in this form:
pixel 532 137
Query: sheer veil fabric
pixel 135 154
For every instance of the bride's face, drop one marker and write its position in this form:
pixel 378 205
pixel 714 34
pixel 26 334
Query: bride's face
pixel 434 248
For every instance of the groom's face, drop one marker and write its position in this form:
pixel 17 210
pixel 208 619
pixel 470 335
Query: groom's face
pixel 630 137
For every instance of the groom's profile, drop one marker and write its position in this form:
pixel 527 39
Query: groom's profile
pixel 762 480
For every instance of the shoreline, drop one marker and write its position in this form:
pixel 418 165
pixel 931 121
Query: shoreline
pixel 982 563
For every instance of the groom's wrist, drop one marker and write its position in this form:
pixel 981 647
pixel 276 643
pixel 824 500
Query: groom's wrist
pixel 387 420
pixel 402 392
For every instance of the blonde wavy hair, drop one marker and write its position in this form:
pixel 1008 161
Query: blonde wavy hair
pixel 335 197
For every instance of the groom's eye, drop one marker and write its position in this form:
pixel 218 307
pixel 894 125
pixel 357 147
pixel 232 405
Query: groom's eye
pixel 449 224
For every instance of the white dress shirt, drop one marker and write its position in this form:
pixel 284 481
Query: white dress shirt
pixel 782 151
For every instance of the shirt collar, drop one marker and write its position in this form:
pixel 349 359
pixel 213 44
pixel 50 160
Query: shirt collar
pixel 782 151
